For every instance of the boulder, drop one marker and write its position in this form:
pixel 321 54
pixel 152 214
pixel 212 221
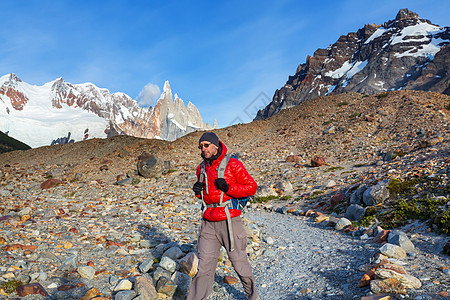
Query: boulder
pixel 145 288
pixel 189 264
pixel 376 194
pixel 149 165
pixel 357 196
pixel 399 238
pixel 355 212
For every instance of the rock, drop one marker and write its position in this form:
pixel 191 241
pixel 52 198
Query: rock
pixel 145 288
pixel 91 293
pixel 49 183
pixel 321 217
pixel 329 130
pixel 159 273
pixel 381 236
pixel 337 199
pixel 294 158
pixel 189 264
pixel 406 280
pixel 357 196
pixel 342 223
pixel 145 266
pixel 125 295
pixel 183 282
pixel 284 186
pixel 355 212
pixel 376 297
pixel 388 286
pixel 31 289
pixel 166 286
pixel 230 280
pixel 317 161
pixel 25 211
pixel 70 263
pixel 168 264
pixel 265 191
pixel 123 285
pixel 367 277
pixel 86 272
pixel 393 251
pixel 376 194
pixel 174 253
pixel 148 165
pixel 399 238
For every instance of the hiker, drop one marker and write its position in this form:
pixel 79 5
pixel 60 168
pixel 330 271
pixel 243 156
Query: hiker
pixel 221 224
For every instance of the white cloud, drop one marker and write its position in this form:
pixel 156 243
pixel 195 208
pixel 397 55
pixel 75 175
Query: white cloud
pixel 149 94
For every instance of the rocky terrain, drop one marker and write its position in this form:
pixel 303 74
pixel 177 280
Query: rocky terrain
pixel 78 221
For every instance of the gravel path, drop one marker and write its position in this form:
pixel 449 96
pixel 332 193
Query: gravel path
pixel 310 261
pixel 305 261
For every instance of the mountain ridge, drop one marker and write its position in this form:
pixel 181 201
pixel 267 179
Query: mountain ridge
pixel 59 112
pixel 405 53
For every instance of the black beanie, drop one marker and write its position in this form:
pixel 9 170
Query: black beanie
pixel 210 137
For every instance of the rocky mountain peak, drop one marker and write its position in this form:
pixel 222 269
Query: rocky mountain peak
pixel 405 13
pixel 404 53
pixel 84 111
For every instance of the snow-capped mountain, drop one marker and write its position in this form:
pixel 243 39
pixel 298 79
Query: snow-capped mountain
pixel 61 112
pixel 405 53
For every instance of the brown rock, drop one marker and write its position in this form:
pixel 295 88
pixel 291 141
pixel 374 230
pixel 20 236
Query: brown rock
pixel 145 288
pixel 443 294
pixel 30 289
pixel 317 161
pixel 367 277
pixel 337 199
pixel 49 183
pixel 321 217
pixel 91 293
pixel 189 264
pixel 2 240
pixel 104 168
pixel 293 158
pixel 381 237
pixel 230 280
pixel 66 287
pixel 387 286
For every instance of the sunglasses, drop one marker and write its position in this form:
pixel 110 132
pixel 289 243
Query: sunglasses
pixel 203 146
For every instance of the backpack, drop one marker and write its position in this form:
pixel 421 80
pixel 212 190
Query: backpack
pixel 236 203
pixel 239 203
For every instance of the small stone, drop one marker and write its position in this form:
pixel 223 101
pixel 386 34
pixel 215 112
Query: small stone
pixel 31 289
pixel 145 266
pixel 49 183
pixel 174 253
pixel 388 286
pixel 91 293
pixel 166 286
pixel 67 245
pixel 393 251
pixel 123 285
pixel 86 272
pixel 183 281
pixel 125 295
pixel 342 223
pixel 230 280
pixel 168 264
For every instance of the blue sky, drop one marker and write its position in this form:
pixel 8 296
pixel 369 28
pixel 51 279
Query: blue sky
pixel 227 58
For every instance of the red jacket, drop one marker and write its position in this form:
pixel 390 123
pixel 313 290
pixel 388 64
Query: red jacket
pixel 240 183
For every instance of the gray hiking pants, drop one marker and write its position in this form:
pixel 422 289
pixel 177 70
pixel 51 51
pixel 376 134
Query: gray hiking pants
pixel 212 236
